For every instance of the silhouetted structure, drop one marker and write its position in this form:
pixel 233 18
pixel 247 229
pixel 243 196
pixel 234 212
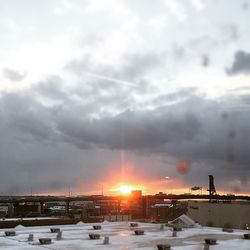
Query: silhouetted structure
pixel 211 189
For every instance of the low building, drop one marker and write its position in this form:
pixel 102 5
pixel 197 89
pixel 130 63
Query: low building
pixel 220 214
pixel 164 212
pixel 26 210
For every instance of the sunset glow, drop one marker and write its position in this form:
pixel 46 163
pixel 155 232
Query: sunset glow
pixel 129 117
pixel 124 189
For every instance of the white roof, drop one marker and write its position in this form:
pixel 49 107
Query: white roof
pixel 162 205
pixel 185 219
pixel 121 237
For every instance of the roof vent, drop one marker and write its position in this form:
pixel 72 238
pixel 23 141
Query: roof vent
pixel 10 233
pixel 133 224
pixel 106 240
pixel 45 241
pixel 210 241
pixel 97 227
pixel 55 230
pixel 31 237
pixel 174 234
pixel 59 236
pixel 94 236
pixel 227 230
pixel 163 247
pixel 139 232
pixel 246 236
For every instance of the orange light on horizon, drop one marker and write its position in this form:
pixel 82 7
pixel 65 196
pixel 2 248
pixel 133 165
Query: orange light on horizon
pixel 125 189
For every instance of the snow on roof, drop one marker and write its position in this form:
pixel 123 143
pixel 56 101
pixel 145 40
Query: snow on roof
pixel 29 218
pixel 19 227
pixel 54 208
pixel 121 237
pixel 185 219
pixel 162 205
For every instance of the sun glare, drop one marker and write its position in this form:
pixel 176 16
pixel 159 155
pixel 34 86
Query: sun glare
pixel 125 189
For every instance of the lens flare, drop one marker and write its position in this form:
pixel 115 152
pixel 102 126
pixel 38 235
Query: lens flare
pixel 125 189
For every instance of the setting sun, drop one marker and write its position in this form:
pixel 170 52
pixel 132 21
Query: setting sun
pixel 125 189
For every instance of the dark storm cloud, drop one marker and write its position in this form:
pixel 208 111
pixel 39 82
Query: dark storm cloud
pixel 23 113
pixel 193 127
pixel 131 129
pixel 13 75
pixel 52 133
pixel 241 63
pixel 55 141
pixel 194 130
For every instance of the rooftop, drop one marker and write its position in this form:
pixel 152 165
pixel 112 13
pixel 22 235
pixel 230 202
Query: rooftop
pixel 121 236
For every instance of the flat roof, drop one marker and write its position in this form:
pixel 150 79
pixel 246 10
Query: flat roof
pixel 121 237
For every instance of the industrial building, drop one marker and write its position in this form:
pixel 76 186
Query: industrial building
pixel 234 214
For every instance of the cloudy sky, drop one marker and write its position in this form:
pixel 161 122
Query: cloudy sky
pixel 94 93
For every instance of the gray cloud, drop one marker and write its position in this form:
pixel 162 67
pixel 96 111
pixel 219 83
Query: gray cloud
pixel 22 113
pixel 241 63
pixel 70 128
pixel 194 47
pixel 51 88
pixel 13 75
pixel 138 64
pixel 230 32
pixel 205 60
pixel 205 46
pixel 54 131
pixel 51 143
pixel 134 69
pixel 245 5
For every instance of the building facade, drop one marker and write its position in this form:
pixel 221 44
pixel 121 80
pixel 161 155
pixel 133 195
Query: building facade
pixel 220 214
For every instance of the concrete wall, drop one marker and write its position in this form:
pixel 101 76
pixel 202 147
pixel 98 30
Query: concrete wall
pixel 234 215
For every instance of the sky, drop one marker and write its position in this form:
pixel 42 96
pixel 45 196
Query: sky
pixel 97 93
